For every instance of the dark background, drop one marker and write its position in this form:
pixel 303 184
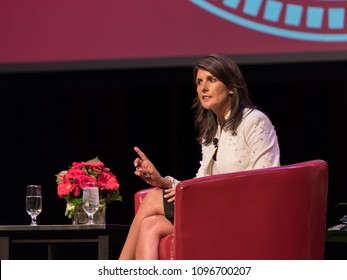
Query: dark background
pixel 53 118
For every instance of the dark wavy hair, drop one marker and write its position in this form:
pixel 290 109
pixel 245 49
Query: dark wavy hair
pixel 226 70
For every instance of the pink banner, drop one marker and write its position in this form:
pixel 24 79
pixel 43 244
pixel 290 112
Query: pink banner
pixel 89 30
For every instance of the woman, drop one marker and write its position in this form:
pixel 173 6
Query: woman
pixel 233 134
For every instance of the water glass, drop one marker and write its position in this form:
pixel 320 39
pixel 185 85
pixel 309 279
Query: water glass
pixel 33 202
pixel 90 202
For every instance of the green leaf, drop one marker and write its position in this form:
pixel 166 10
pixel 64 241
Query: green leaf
pixel 76 200
pixel 96 159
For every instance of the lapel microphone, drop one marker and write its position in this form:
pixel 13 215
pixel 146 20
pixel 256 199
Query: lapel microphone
pixel 215 142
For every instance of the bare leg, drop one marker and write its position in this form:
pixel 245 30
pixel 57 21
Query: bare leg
pixel 151 205
pixel 151 230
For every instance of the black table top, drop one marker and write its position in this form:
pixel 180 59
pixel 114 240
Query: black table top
pixel 62 227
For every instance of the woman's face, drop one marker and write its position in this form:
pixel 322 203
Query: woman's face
pixel 213 94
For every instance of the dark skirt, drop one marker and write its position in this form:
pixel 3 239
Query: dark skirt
pixel 169 209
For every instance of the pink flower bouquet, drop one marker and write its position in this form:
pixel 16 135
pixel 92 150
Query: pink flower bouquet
pixel 71 183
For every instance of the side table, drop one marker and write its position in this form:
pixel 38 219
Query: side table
pixel 103 241
pixel 336 245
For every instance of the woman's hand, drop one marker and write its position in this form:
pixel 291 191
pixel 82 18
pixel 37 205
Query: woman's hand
pixel 170 194
pixel 145 169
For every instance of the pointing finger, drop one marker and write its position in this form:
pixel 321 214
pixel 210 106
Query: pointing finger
pixel 140 153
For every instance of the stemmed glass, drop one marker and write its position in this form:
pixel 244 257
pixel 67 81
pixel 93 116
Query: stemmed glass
pixel 90 202
pixel 33 202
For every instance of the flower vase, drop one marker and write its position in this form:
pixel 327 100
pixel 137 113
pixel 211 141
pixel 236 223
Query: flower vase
pixel 81 217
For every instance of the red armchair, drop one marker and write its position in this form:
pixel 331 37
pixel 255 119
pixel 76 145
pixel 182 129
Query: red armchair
pixel 271 213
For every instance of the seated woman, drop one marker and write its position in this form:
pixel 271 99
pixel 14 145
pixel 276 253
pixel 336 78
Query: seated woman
pixel 233 134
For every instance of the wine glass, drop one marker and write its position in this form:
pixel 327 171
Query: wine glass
pixel 33 202
pixel 90 202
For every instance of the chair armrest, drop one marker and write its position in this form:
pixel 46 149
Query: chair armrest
pixel 272 213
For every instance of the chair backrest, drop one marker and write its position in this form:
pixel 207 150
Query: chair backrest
pixel 271 213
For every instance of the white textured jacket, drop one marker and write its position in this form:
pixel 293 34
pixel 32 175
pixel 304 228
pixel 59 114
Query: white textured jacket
pixel 254 146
